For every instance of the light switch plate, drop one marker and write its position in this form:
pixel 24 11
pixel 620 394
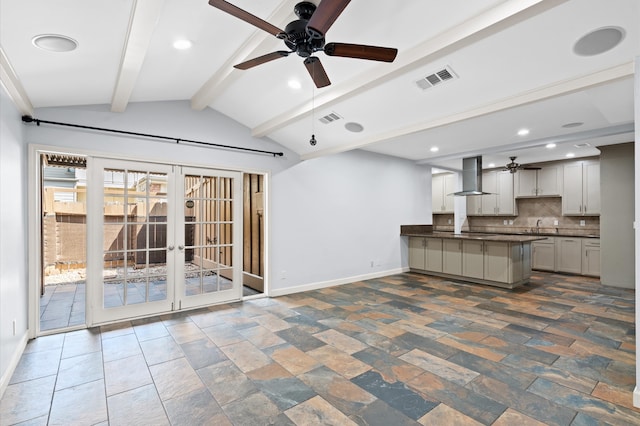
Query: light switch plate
pixel 555 222
pixel 582 223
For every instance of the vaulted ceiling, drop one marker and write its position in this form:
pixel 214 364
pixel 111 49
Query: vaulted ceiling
pixel 512 64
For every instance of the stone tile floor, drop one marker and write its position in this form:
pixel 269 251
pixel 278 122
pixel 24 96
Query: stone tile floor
pixel 402 350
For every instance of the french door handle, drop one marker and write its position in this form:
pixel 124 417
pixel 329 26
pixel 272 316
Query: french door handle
pixel 180 247
pixel 170 248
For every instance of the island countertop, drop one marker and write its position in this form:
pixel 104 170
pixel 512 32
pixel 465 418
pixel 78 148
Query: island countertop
pixel 477 236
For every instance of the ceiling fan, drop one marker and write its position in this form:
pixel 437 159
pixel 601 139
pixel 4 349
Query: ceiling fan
pixel 513 167
pixel 305 36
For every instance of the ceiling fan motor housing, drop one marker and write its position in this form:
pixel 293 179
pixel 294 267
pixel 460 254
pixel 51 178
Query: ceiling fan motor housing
pixel 299 41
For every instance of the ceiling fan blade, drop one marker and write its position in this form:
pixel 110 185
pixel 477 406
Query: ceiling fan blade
pixel 317 72
pixel 246 16
pixel 361 51
pixel 324 16
pixel 261 60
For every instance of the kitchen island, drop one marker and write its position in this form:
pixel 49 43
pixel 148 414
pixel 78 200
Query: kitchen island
pixel 492 259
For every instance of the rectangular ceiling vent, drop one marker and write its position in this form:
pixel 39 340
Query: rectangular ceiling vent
pixel 436 78
pixel 329 118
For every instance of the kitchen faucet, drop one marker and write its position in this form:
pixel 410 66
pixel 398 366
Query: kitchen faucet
pixel 538 226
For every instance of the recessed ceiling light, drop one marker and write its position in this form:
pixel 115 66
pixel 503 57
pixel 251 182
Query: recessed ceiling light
pixel 598 41
pixel 570 155
pixel 354 127
pixel 550 145
pixel 54 42
pixel 492 165
pixel 434 149
pixel 294 84
pixel 182 44
pixel 523 132
pixel 574 124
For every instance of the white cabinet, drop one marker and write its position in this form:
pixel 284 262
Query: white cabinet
pixel 500 200
pixel 569 255
pixel 543 255
pixel 546 182
pixel 581 193
pixel 442 188
pixel 452 257
pixel 425 254
pixel 473 259
pixel 591 257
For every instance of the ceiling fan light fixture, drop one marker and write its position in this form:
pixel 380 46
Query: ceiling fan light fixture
pixel 54 43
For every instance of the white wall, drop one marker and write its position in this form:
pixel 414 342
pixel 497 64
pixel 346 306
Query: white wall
pixel 330 217
pixel 333 216
pixel 13 239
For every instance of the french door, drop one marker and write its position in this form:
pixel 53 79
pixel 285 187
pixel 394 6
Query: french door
pixel 164 237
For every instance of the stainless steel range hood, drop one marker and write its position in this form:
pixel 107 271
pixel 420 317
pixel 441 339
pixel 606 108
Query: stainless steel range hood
pixel 471 177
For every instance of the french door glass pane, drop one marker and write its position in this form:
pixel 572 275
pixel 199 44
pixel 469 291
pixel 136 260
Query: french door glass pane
pixel 208 238
pixel 135 237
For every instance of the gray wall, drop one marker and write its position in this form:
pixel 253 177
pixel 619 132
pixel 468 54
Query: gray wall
pixel 616 219
pixel 13 238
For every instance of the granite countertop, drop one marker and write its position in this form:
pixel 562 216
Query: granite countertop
pixel 480 236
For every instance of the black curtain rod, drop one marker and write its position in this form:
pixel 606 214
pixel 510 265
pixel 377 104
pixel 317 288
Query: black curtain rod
pixel 29 119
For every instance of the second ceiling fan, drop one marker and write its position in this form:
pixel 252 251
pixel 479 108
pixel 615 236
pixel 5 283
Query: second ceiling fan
pixel 305 36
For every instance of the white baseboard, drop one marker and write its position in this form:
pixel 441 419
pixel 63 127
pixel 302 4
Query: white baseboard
pixel 636 396
pixel 324 284
pixel 15 359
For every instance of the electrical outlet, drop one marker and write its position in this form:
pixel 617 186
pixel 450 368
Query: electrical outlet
pixel 448 221
pixel 504 222
pixel 511 222
pixel 555 222
pixel 582 223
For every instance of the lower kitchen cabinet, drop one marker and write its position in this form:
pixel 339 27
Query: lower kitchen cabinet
pixel 452 257
pixel 569 255
pixel 425 253
pixel 486 261
pixel 591 257
pixel 543 255
pixel 473 259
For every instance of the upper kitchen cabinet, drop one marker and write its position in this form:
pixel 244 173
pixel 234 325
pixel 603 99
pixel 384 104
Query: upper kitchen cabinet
pixel 500 200
pixel 442 188
pixel 581 193
pixel 546 182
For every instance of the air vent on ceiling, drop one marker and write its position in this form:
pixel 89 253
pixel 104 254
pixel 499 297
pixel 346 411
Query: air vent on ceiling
pixel 436 78
pixel 329 118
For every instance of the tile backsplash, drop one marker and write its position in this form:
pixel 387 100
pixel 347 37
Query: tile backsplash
pixel 530 210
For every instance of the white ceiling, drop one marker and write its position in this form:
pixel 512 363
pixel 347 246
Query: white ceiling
pixel 513 59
